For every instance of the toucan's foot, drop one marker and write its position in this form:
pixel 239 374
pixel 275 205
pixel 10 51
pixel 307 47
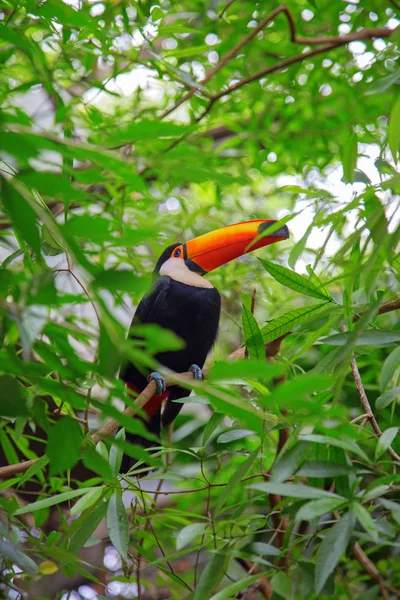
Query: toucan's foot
pixel 197 372
pixel 160 382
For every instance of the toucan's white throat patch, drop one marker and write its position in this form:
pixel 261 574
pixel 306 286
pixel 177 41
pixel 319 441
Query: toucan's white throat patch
pixel 177 270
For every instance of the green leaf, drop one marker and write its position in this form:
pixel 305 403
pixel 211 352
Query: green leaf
pixel 12 401
pixel 86 501
pixel 320 468
pixel 349 158
pixel 122 280
pixel 282 585
pixel 147 129
pixel 318 508
pixel 22 215
pixel 244 369
pixel 387 398
pixel 211 576
pixel 394 507
pixel 281 325
pixel 394 130
pixel 365 520
pixel 88 228
pixel 211 426
pixel 38 466
pixel 118 525
pixel 389 368
pixel 385 441
pixel 294 281
pixel 240 472
pixel 14 555
pixel 64 445
pixel 94 461
pixel 51 501
pixel 234 434
pixel 252 335
pixel 298 248
pixel 293 490
pixel 31 323
pixel 298 388
pixel 265 549
pixel 289 462
pixel 116 453
pixel 332 548
pixel 349 445
pixel 189 533
pixel 382 84
pixel 371 337
pixel 231 590
pixel 87 523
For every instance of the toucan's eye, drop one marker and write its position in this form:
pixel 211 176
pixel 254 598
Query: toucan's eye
pixel 177 253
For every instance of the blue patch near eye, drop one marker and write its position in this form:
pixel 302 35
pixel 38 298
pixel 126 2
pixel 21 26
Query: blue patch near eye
pixel 177 253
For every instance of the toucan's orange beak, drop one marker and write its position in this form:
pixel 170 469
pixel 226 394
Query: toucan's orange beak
pixel 210 251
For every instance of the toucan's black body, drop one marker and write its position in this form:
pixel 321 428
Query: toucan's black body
pixel 192 313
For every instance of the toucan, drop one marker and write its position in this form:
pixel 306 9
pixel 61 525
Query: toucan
pixel 184 302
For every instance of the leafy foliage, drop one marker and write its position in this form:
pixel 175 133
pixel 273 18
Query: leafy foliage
pixel 124 127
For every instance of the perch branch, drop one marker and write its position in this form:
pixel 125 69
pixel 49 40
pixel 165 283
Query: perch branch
pixel 112 426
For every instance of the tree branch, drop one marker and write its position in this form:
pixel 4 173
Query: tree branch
pixel 383 309
pixel 112 426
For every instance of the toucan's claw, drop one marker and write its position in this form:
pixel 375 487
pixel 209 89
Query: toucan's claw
pixel 197 372
pixel 159 380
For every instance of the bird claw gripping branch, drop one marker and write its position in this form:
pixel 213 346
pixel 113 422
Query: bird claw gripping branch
pixel 159 381
pixel 197 372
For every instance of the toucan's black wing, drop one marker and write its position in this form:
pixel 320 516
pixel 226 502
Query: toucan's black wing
pixel 149 310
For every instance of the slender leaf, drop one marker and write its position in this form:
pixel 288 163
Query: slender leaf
pixel 385 441
pixel 293 490
pixel 349 158
pixel 365 520
pixel 87 500
pixel 332 548
pixel 118 525
pixel 294 281
pixel 88 523
pixel 211 576
pixel 231 590
pixel 14 555
pixel 349 445
pixel 318 508
pixel 252 335
pixel 371 337
pixel 281 325
pixel 52 501
pixel 64 445
pixel 240 472
pixel 389 368
pixel 394 130
pixel 189 533
pixel 387 398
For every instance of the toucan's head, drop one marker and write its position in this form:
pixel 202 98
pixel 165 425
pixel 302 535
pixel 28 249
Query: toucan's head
pixel 207 252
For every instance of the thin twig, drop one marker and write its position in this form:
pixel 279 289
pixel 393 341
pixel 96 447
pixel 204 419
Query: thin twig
pixel 360 417
pixel 367 407
pixel 371 569
pixel 263 23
